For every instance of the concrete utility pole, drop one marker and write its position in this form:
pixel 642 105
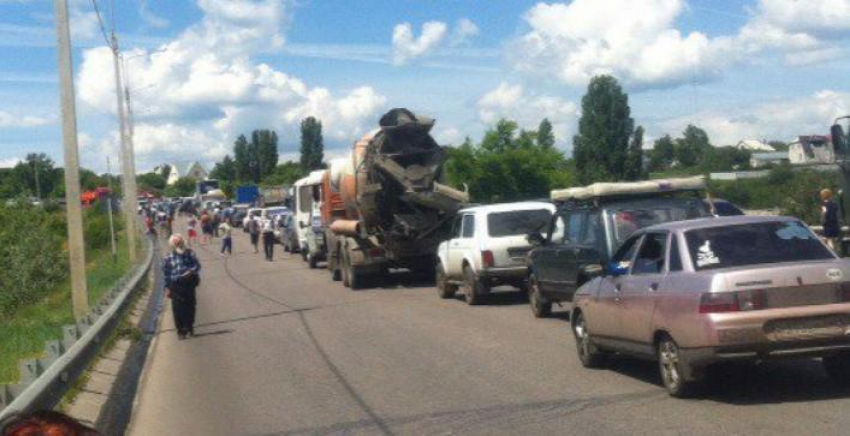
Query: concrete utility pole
pixel 128 166
pixel 109 209
pixel 76 247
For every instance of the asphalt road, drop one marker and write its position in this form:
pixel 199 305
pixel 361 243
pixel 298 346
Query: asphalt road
pixel 282 349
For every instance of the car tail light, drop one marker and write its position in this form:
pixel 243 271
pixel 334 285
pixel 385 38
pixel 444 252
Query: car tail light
pixel 719 302
pixel 487 259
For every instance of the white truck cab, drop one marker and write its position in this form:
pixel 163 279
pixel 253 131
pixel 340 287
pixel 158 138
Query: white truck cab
pixel 307 196
pixel 487 248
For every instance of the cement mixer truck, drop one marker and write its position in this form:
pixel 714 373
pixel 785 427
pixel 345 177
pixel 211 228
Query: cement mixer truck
pixel 384 206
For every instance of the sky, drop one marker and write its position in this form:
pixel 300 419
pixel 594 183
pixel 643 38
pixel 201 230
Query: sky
pixel 201 72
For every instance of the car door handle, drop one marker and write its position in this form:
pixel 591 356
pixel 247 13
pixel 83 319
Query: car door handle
pixel 653 287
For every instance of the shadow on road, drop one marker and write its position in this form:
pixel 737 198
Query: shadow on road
pixel 774 382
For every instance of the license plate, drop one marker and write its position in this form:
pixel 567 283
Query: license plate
pixel 807 328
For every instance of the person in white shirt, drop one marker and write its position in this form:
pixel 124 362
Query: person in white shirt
pixel 268 239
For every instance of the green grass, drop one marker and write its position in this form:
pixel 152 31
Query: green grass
pixel 23 334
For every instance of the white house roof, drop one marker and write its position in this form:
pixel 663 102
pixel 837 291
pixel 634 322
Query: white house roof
pixel 754 145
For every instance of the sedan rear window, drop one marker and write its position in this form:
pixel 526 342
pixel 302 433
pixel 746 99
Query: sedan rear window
pixel 754 244
pixel 518 222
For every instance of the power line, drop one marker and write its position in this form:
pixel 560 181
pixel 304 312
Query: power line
pixel 100 22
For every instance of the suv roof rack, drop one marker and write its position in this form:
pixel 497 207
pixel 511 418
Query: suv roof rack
pixel 606 189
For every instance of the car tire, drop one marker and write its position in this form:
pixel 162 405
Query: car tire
pixel 539 307
pixel 311 261
pixel 588 354
pixel 671 370
pixel 444 289
pixel 838 368
pixel 472 287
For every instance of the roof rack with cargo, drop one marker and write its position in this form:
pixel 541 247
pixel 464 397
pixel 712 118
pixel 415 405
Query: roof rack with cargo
pixel 607 189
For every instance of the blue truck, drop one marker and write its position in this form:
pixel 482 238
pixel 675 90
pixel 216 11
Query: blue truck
pixel 247 194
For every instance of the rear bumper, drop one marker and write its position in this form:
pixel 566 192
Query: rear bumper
pixel 511 274
pixel 703 356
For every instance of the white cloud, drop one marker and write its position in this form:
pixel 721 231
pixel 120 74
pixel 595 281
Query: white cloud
pixel 637 41
pixel 200 91
pixel 528 109
pixel 464 30
pixel 9 120
pixel 781 120
pixel 9 162
pixel 407 47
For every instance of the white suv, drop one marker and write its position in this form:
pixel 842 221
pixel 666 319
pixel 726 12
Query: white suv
pixel 487 248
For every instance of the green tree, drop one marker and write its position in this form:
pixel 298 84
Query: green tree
pixel 264 147
pixel 184 187
pixel 692 148
pixel 242 158
pixel 663 153
pixel 634 157
pixel 605 128
pixel 285 174
pixel 545 135
pixel 224 170
pixel 152 181
pixel 312 144
pixel 502 138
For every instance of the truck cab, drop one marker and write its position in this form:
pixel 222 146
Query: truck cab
pixel 307 203
pixel 590 225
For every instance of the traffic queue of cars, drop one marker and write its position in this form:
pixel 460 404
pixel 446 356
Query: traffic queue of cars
pixel 649 270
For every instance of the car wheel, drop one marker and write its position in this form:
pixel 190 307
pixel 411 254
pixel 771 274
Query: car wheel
pixel 311 261
pixel 444 289
pixel 838 368
pixel 472 287
pixel 539 307
pixel 670 367
pixel 588 354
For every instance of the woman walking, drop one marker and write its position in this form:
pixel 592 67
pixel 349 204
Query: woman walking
pixel 181 270
pixel 268 239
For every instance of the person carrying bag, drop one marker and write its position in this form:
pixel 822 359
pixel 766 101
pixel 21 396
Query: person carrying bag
pixel 181 270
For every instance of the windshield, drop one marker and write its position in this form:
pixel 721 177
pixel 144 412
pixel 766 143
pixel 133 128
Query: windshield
pixel 626 221
pixel 754 244
pixel 520 222
pixel 277 211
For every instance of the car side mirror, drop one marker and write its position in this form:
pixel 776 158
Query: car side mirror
pixel 839 142
pixel 616 269
pixel 535 238
pixel 592 270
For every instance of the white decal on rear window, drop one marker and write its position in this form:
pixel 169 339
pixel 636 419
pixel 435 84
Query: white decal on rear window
pixel 705 256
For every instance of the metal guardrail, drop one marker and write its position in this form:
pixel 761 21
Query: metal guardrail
pixel 45 380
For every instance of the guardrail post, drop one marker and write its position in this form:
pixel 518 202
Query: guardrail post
pixel 52 351
pixel 70 334
pixel 30 370
pixel 5 396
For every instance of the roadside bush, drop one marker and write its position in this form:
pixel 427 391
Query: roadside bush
pixel 34 258
pixel 96 226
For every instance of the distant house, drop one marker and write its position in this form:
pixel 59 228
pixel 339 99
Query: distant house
pixel 761 160
pixel 814 149
pixel 754 145
pixel 194 170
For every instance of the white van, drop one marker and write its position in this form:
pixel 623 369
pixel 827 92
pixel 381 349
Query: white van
pixel 307 195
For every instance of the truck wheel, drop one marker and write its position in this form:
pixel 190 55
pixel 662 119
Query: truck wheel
pixel 311 260
pixel 444 289
pixel 472 287
pixel 838 368
pixel 539 307
pixel 671 370
pixel 333 267
pixel 350 278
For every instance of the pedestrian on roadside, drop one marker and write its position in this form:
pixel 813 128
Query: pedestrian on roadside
pixel 829 219
pixel 181 270
pixel 254 230
pixel 268 239
pixel 193 234
pixel 206 228
pixel 227 240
